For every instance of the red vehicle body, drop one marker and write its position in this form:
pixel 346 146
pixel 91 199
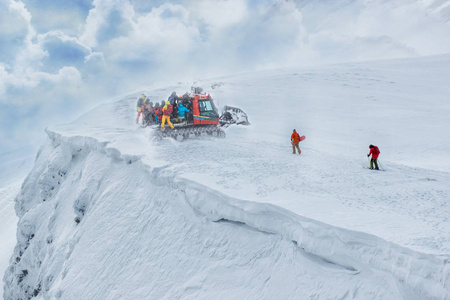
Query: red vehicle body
pixel 204 111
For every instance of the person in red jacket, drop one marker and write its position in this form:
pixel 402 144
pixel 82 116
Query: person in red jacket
pixel 167 111
pixel 374 151
pixel 295 139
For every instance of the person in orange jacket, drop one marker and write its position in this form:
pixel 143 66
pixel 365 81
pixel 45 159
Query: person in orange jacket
pixel 295 139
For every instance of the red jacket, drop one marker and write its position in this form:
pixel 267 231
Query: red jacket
pixel 295 137
pixel 374 152
pixel 168 111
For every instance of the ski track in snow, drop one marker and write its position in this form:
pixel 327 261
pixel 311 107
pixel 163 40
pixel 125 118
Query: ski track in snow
pixel 229 218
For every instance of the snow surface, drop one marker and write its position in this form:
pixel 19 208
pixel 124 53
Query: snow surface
pixel 8 226
pixel 109 212
pixel 14 167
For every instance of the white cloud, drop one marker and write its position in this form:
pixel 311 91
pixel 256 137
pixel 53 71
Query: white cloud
pixel 23 75
pixel 15 30
pixel 51 15
pixel 66 76
pixel 219 14
pixel 99 20
pixel 4 81
pixel 14 19
pixel 164 36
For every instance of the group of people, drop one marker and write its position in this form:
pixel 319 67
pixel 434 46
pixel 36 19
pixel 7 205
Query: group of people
pixel 174 107
pixel 374 150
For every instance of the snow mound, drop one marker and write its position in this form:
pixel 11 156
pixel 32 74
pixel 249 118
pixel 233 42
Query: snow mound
pixel 98 224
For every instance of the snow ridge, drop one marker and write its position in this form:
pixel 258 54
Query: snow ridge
pixel 90 215
pixel 349 250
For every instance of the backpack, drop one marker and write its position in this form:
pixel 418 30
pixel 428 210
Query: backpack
pixel 140 102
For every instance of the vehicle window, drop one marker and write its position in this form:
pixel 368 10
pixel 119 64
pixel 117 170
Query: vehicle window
pixel 207 109
pixel 205 105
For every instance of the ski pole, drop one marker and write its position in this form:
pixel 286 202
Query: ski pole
pixel 381 167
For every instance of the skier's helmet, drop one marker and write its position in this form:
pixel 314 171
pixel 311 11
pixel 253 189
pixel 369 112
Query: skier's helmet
pixel 163 103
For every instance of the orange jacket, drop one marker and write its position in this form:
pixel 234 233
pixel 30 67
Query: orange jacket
pixel 295 137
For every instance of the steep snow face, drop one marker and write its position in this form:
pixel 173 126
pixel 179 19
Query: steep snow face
pixel 14 166
pixel 108 212
pixel 8 226
pixel 96 224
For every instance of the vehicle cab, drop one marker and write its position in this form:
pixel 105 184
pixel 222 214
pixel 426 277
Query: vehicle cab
pixel 203 109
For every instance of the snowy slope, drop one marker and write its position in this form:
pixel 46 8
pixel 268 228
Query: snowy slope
pixel 14 167
pixel 9 226
pixel 108 212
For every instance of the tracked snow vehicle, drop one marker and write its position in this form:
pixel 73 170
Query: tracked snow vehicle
pixel 202 119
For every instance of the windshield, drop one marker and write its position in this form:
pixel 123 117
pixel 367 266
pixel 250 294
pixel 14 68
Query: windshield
pixel 207 108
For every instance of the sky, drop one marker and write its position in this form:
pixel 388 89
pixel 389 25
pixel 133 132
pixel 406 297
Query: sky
pixel 59 58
